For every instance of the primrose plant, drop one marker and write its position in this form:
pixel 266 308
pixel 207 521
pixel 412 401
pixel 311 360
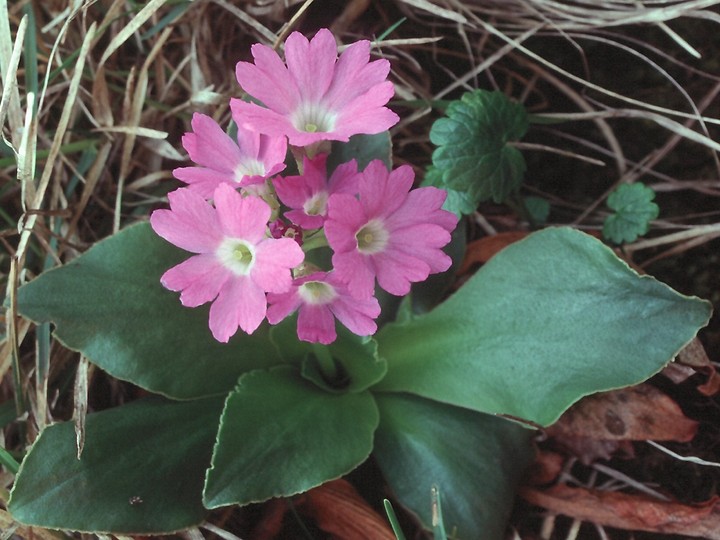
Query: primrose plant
pixel 291 377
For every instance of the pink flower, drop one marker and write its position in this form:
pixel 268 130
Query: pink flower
pixel 390 233
pixel 320 298
pixel 307 194
pixel 317 96
pixel 222 161
pixel 235 263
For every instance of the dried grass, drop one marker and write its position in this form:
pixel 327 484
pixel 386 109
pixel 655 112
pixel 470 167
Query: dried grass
pixel 93 138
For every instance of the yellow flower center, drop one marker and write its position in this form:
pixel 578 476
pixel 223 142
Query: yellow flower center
pixel 372 238
pixel 236 255
pixel 317 292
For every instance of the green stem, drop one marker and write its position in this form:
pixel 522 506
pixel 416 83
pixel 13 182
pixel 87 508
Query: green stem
pixel 315 240
pixel 9 462
pixel 325 361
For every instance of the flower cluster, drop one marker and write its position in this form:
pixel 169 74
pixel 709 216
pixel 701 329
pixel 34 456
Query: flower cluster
pixel 250 228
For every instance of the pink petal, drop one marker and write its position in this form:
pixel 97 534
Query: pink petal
pixel 345 217
pixel 240 303
pixel 210 146
pixel 423 205
pixel 282 305
pixel 316 324
pixel 357 314
pixel 294 191
pixel 304 138
pixel 190 224
pixel 272 153
pixel 268 80
pixel 311 64
pixel 241 217
pixel 201 180
pixel 349 80
pixel 397 270
pixel 381 192
pixel 357 271
pixel 274 259
pixel 417 235
pixel 277 123
pixel 262 120
pixel 200 278
pixel 270 150
pixel 344 178
pixel 364 119
pixel 247 139
pixel 301 219
pixel 364 95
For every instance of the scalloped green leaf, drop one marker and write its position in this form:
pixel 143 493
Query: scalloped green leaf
pixel 634 210
pixel 548 320
pixel 459 203
pixel 473 153
pixel 476 461
pixel 281 435
pixel 109 304
pixel 141 471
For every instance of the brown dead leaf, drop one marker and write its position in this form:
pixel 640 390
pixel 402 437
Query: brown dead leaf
pixel 545 469
pixel 600 424
pixel 339 511
pixel 630 512
pixel 638 413
pixel 270 524
pixel 694 355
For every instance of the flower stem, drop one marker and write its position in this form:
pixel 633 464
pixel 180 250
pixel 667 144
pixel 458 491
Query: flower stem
pixel 314 241
pixel 326 363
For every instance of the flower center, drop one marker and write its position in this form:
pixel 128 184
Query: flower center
pixel 316 205
pixel 313 118
pixel 372 238
pixel 236 255
pixel 249 167
pixel 317 292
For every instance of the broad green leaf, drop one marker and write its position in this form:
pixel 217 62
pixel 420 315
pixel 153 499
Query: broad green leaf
pixel 473 152
pixel 548 320
pixel 281 435
pixel 363 148
pixel 634 210
pixel 109 305
pixel 141 471
pixel 474 459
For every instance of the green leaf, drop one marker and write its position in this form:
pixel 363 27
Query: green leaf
pixel 548 320
pixel 634 210
pixel 458 202
pixel 475 460
pixel 281 435
pixel 473 152
pixel 538 208
pixel 141 471
pixel 363 148
pixel 109 305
